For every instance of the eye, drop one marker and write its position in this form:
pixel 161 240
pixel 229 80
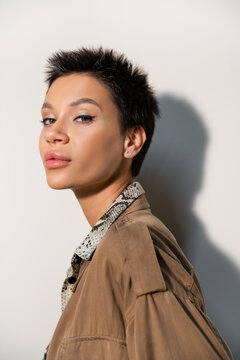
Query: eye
pixel 85 117
pixel 43 121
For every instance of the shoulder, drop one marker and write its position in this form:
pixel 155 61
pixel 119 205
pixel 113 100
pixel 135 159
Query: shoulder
pixel 140 245
pixel 128 246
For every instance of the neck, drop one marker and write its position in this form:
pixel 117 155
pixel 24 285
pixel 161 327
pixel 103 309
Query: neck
pixel 96 200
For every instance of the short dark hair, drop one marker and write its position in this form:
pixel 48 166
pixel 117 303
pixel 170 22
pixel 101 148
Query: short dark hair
pixel 127 83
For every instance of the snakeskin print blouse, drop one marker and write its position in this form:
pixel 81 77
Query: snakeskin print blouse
pixel 89 244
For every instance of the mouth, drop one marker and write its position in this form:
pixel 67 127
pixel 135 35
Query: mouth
pixel 55 163
pixel 54 159
pixel 55 155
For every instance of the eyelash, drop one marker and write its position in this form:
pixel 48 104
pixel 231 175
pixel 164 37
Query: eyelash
pixel 84 117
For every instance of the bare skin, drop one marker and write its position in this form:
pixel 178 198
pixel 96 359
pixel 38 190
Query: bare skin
pixel 100 167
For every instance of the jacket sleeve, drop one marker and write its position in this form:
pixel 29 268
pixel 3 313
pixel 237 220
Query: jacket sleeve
pixel 166 327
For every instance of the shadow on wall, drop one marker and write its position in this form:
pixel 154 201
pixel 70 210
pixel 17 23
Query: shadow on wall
pixel 172 175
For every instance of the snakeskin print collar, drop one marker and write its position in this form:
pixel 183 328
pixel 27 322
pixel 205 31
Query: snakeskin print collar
pixel 127 196
pixel 89 244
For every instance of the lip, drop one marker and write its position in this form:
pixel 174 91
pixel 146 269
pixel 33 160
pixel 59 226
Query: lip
pixel 55 155
pixel 54 159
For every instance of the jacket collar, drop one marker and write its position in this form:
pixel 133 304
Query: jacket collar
pixel 132 198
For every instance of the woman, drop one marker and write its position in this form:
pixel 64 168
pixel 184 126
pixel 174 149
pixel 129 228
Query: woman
pixel 130 292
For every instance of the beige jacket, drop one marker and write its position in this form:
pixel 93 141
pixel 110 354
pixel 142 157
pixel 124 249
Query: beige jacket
pixel 137 298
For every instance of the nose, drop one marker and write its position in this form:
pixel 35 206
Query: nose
pixel 54 135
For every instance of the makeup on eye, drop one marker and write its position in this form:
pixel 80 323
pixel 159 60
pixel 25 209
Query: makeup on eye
pixel 84 117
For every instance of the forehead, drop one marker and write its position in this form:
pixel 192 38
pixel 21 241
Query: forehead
pixel 69 87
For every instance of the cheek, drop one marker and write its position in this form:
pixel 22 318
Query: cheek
pixel 101 151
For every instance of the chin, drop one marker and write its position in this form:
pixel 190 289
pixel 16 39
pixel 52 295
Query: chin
pixel 58 184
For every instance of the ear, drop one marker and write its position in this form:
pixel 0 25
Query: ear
pixel 134 141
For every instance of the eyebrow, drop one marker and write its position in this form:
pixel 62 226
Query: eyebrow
pixel 47 105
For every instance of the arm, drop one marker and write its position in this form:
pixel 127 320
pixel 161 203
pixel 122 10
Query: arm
pixel 166 327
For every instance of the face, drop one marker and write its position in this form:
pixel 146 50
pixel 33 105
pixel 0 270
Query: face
pixel 81 123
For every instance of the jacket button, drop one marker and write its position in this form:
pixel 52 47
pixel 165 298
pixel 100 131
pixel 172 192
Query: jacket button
pixel 72 280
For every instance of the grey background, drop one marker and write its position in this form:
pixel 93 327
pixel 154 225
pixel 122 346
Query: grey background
pixel 191 174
